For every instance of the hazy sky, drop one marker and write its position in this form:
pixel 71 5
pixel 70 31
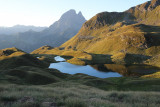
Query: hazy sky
pixel 45 12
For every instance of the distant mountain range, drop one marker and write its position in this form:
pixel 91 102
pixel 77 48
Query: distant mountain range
pixel 55 35
pixel 19 28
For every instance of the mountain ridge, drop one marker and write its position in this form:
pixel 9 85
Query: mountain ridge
pixel 19 28
pixel 55 35
pixel 111 32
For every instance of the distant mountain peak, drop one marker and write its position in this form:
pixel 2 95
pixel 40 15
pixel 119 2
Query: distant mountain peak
pixel 80 13
pixel 71 11
pixel 69 18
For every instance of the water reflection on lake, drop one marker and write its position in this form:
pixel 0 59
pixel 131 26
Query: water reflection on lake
pixel 127 70
pixel 103 70
pixel 73 69
pixel 58 58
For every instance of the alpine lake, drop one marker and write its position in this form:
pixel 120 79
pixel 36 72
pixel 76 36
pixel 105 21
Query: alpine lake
pixel 103 70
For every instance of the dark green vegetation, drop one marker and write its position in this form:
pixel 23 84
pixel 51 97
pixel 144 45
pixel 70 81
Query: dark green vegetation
pixel 72 95
pixel 26 80
pixel 11 58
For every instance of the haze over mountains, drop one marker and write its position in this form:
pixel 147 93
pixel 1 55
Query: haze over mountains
pixel 19 28
pixel 59 32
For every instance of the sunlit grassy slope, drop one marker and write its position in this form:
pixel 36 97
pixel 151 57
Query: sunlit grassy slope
pixel 130 37
pixel 12 57
pixel 136 39
pixel 135 31
pixel 62 52
pixel 10 52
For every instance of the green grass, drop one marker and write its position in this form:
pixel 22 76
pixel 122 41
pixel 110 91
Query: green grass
pixel 29 75
pixel 118 84
pixel 79 90
pixel 73 95
pixel 22 60
pixel 33 84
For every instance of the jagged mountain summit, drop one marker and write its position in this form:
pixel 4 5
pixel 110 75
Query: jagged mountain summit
pixel 135 31
pixel 68 20
pixel 55 35
pixel 63 29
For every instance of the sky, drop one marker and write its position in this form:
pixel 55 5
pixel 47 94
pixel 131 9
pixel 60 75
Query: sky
pixel 46 12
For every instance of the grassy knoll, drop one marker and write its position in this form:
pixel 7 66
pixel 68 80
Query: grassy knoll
pixel 62 52
pixel 76 61
pixel 45 57
pixel 22 60
pixel 154 75
pixel 10 52
pixel 154 61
